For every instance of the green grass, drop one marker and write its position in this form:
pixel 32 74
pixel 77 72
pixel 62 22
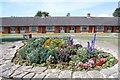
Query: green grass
pixel 10 39
pixel 110 40
pixel 66 34
pixel 11 34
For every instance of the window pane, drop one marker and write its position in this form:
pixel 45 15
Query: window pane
pixel 99 28
pixel 12 28
pixel 62 28
pixel 109 28
pixel 1 29
pixel 22 29
pixel 118 28
pixel 84 28
pixel 71 28
pixel 50 28
pixel 33 29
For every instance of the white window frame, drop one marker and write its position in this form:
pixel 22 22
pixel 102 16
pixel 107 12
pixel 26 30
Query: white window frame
pixel 50 28
pixel 12 28
pixel 99 28
pixel 1 28
pixel 81 28
pixel 72 28
pixel 33 29
pixel 22 28
pixel 117 28
pixel 109 28
pixel 62 28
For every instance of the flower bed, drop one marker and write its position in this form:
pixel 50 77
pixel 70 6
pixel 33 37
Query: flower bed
pixel 63 53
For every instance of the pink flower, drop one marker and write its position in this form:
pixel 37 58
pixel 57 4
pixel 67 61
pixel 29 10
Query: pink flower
pixel 86 64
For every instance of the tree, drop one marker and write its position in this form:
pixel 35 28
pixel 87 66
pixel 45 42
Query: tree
pixel 117 12
pixel 39 13
pixel 68 14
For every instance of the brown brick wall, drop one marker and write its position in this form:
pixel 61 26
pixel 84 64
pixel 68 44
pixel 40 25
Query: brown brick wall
pixel 105 29
pixel 57 29
pixel 114 29
pixel 17 29
pixel 90 29
pixel 67 28
pixel 77 29
pixel 6 30
pixel 39 29
pixel 26 29
pixel 43 29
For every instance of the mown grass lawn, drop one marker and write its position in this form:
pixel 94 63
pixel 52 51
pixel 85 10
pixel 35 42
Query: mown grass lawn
pixel 10 39
pixel 112 40
pixel 66 34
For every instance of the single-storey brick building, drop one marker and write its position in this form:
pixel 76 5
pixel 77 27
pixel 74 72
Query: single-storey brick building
pixel 68 24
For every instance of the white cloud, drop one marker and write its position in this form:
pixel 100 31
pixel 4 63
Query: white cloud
pixel 104 15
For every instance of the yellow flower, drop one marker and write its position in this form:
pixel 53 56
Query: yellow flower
pixel 48 47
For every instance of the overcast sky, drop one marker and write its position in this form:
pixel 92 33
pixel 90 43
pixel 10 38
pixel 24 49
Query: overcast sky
pixel 22 8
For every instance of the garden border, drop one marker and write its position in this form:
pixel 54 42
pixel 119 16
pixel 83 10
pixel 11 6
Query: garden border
pixel 9 70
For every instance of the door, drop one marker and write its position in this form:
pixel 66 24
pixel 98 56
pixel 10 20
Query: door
pixel 109 29
pixel 12 30
pixel 62 29
pixel 72 29
pixel 22 30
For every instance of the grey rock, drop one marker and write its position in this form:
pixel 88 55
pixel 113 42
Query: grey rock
pixel 95 74
pixel 54 74
pixel 48 71
pixel 29 76
pixel 25 68
pixel 38 69
pixel 15 67
pixel 65 74
pixel 7 73
pixel 80 74
pixel 20 76
pixel 16 73
pixel 7 66
pixel 109 71
pixel 39 76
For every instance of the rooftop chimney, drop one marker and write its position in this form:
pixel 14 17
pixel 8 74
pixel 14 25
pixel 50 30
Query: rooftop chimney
pixel 88 15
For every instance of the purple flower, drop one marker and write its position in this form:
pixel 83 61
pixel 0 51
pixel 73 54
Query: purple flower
pixel 91 47
pixel 73 46
pixel 62 52
pixel 93 43
pixel 94 37
pixel 70 40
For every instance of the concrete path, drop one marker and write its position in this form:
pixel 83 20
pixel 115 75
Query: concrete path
pixel 10 71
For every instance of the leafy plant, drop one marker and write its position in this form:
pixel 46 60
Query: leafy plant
pixel 62 53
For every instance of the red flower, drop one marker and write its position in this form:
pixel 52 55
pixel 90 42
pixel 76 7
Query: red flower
pixel 100 62
pixel 93 59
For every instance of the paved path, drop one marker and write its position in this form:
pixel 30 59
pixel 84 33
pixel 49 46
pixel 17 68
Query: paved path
pixel 9 70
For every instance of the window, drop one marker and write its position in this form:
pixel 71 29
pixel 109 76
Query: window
pixel 84 28
pixel 109 28
pixel 99 28
pixel 50 28
pixel 12 28
pixel 117 28
pixel 62 28
pixel 71 28
pixel 33 29
pixel 1 29
pixel 22 28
